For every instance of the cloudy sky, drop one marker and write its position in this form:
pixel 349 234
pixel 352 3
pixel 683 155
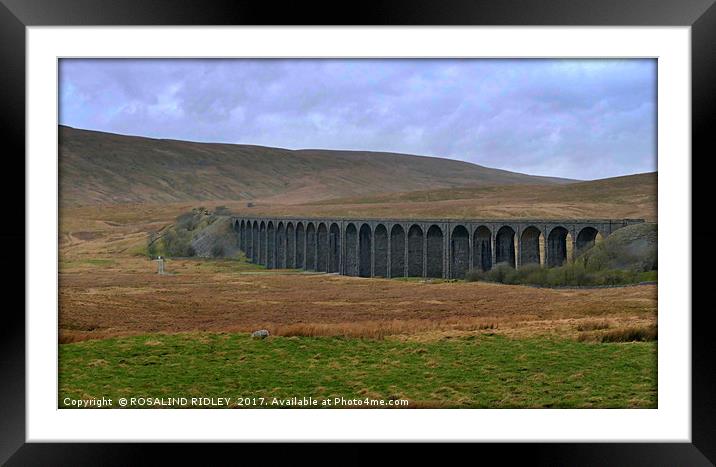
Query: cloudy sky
pixel 583 119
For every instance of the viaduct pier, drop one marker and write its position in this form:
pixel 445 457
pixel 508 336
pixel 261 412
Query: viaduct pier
pixel 418 247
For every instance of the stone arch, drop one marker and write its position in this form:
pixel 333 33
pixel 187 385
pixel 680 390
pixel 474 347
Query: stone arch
pixel 351 265
pixel 255 243
pixel 364 250
pixel 240 236
pixel 557 246
pixel 460 251
pixel 435 252
pixel 281 246
pixel 248 235
pixel 322 248
pixel 245 236
pixel 334 248
pixel 380 261
pixel 262 243
pixel 587 238
pixel 290 245
pixel 530 246
pixel 311 246
pixel 397 251
pixel 300 246
pixel 415 251
pixel 505 246
pixel 271 245
pixel 482 249
pixel 239 228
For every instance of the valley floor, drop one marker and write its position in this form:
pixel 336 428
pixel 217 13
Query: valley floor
pixel 124 330
pixel 124 296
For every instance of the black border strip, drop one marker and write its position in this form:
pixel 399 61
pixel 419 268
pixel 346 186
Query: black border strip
pixel 16 15
pixel 703 148
pixel 395 13
pixel 12 329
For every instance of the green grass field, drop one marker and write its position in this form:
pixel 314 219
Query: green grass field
pixel 480 371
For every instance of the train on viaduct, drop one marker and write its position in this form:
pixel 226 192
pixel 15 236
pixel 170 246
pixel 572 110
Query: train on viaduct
pixel 415 248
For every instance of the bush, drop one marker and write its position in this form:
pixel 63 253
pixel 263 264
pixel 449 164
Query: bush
pixel 473 275
pixel 630 248
pixel 152 249
pixel 573 274
pixel 217 251
pixel 502 272
pixel 177 243
pixel 187 221
pixel 534 274
pixel 177 239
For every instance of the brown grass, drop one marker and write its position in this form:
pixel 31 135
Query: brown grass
pixel 128 297
pixel 631 334
pixel 632 196
pixel 624 197
pixel 593 325
pixel 379 330
pixel 108 289
pixel 152 170
pixel 67 336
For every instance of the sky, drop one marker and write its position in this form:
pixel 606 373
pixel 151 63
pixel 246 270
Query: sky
pixel 576 118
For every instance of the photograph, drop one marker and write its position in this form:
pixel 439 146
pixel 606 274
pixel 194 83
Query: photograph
pixel 402 224
pixel 357 233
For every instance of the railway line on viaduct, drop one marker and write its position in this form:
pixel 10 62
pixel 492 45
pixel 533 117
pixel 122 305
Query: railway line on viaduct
pixel 415 248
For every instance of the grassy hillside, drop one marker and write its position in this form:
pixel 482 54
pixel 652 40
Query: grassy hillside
pixel 633 196
pixel 105 168
pixel 616 187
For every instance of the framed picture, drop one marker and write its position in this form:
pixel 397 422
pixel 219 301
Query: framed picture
pixel 231 207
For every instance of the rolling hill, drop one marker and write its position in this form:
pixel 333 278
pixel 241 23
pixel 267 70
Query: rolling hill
pixel 630 196
pixel 97 168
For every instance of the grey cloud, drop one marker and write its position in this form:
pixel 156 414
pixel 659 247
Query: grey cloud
pixel 581 119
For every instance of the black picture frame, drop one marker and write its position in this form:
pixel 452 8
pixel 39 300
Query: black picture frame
pixel 17 15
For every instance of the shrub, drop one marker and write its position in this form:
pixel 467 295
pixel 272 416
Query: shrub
pixel 217 251
pixel 534 274
pixel 572 274
pixel 187 221
pixel 502 272
pixel 633 247
pixel 177 244
pixel 177 239
pixel 152 245
pixel 473 275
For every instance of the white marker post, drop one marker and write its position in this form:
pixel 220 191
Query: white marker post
pixel 160 265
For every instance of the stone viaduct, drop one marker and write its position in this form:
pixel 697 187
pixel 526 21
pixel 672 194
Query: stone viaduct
pixel 415 248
